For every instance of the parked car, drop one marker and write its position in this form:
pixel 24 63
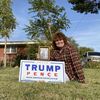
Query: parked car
pixel 90 56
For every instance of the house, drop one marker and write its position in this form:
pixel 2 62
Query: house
pixel 13 49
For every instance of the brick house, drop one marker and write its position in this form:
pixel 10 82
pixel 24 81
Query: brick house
pixel 13 48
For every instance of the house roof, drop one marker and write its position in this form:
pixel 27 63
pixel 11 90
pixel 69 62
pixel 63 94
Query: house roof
pixel 17 42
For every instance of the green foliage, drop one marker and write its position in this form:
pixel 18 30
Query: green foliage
pixel 47 19
pixel 29 54
pixel 83 50
pixel 32 50
pixel 18 58
pixel 73 42
pixel 7 20
pixel 85 6
pixel 92 64
pixel 1 64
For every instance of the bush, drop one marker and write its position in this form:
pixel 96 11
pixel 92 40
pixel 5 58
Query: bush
pixel 31 51
pixel 1 64
pixel 92 64
pixel 18 58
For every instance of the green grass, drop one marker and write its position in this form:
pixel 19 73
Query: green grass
pixel 11 89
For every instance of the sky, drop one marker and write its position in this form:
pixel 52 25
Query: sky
pixel 84 28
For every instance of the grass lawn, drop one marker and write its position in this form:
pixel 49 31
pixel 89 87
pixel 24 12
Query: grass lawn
pixel 11 89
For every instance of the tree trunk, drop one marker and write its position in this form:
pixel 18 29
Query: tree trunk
pixel 5 58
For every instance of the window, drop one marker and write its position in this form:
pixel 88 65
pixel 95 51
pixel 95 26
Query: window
pixel 11 49
pixel 92 56
pixel 44 53
pixel 94 53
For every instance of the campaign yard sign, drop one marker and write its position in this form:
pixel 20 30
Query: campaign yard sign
pixel 47 71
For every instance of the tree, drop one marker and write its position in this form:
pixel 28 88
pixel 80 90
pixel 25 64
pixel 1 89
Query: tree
pixel 85 6
pixel 47 19
pixel 32 50
pixel 73 42
pixel 83 50
pixel 7 22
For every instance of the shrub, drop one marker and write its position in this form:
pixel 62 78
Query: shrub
pixel 31 51
pixel 18 58
pixel 1 64
pixel 92 64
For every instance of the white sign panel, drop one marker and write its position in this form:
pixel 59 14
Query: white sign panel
pixel 47 71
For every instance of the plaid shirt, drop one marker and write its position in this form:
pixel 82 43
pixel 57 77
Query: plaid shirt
pixel 73 67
